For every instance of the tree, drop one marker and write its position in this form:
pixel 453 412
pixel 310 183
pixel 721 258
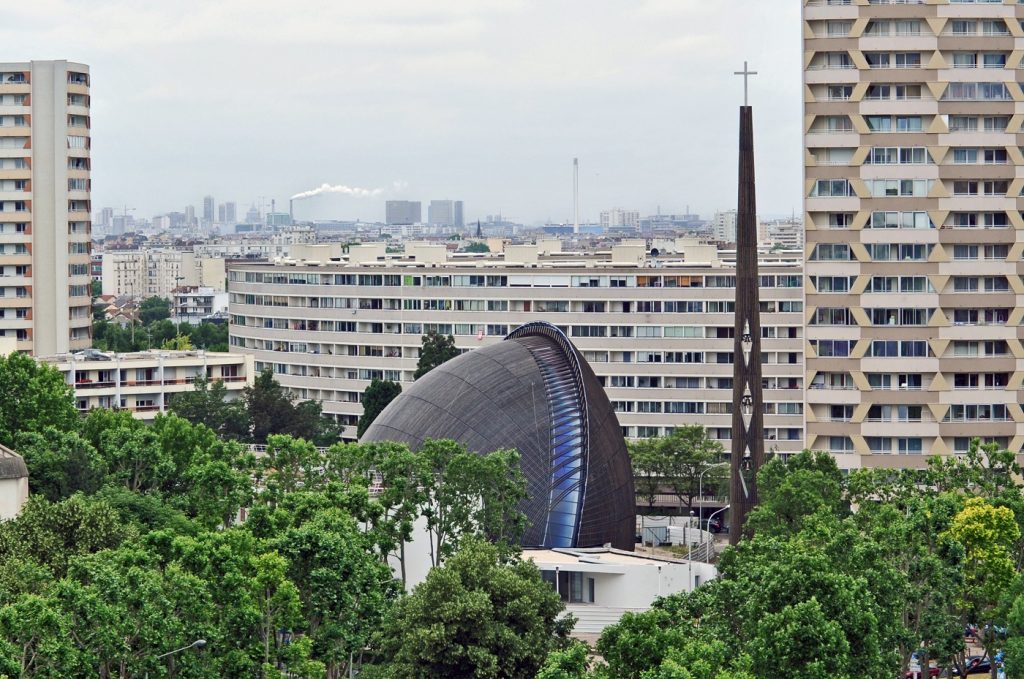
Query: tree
pixel 35 639
pixel 154 309
pixel 96 288
pixel 376 398
pixel 271 411
pixel 477 248
pixel 208 404
pixel 795 489
pixel 570 663
pixel 290 464
pixel 60 463
pixel 209 336
pixel 33 396
pixel 473 617
pixel 987 535
pixel 344 589
pixel 435 350
pixel 52 533
pixel 178 343
pixel 682 456
pixel 399 496
pixel 466 494
pixel 647 470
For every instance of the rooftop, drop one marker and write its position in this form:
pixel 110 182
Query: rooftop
pixel 596 558
pixel 94 355
pixel 547 255
pixel 12 465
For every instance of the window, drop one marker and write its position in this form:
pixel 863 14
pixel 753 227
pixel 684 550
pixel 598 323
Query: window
pixel 831 252
pixel 840 220
pixel 965 60
pixel 962 27
pixel 963 123
pixel 840 92
pixel 832 348
pixel 826 188
pixel 996 123
pixel 894 155
pixel 908 60
pixel 963 251
pixel 884 188
pixel 877 59
pixel 994 60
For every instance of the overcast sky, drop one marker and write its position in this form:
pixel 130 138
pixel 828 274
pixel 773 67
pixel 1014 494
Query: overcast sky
pixel 481 100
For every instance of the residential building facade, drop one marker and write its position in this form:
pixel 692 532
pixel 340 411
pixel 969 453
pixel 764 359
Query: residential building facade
pixel 723 226
pixel 913 227
pixel 45 205
pixel 157 272
pixel 617 218
pixel 193 303
pixel 144 382
pixel 445 213
pixel 659 339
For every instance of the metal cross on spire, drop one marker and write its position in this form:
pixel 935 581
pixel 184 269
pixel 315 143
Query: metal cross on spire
pixel 746 73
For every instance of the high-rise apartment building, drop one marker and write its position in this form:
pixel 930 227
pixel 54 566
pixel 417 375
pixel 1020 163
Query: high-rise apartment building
pixel 723 226
pixel 227 213
pixel 106 218
pixel 209 207
pixel 617 218
pixel 913 276
pixel 403 212
pixel 45 208
pixel 659 339
pixel 445 213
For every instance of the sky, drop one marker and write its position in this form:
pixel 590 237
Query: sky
pixel 485 101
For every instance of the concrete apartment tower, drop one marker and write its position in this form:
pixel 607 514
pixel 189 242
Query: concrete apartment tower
pixel 45 210
pixel 913 176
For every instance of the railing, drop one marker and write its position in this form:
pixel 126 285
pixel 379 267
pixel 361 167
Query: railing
pixel 89 384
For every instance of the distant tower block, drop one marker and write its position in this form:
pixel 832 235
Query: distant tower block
pixel 575 195
pixel 748 409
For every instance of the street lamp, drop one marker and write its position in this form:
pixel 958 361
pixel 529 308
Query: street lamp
pixel 198 643
pixel 717 512
pixel 700 481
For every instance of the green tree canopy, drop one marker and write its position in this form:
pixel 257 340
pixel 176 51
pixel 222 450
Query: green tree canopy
pixel 376 398
pixel 33 396
pixel 154 309
pixel 435 350
pixel 475 616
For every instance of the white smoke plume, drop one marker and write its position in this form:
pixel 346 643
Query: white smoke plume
pixel 340 188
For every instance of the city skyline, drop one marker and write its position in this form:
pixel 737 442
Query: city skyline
pixel 506 93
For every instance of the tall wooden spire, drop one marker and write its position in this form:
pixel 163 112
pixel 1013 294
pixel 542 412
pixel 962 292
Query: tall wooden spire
pixel 748 404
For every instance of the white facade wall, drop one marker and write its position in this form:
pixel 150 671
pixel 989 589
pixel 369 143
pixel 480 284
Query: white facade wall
pixel 45 208
pixel 659 340
pixel 144 382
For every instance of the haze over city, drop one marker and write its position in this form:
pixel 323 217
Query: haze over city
pixel 486 101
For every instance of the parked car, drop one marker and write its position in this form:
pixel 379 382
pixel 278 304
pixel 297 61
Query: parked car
pixel 979 664
pixel 711 525
pixel 932 672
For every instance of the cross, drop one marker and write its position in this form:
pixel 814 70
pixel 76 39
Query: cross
pixel 746 73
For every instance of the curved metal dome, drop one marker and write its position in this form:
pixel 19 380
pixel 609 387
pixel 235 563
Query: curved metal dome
pixel 533 392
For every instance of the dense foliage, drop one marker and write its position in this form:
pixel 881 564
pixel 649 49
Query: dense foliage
pixel 683 464
pixel 376 397
pixel 158 334
pixel 265 409
pixel 845 576
pixel 134 544
pixel 435 350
